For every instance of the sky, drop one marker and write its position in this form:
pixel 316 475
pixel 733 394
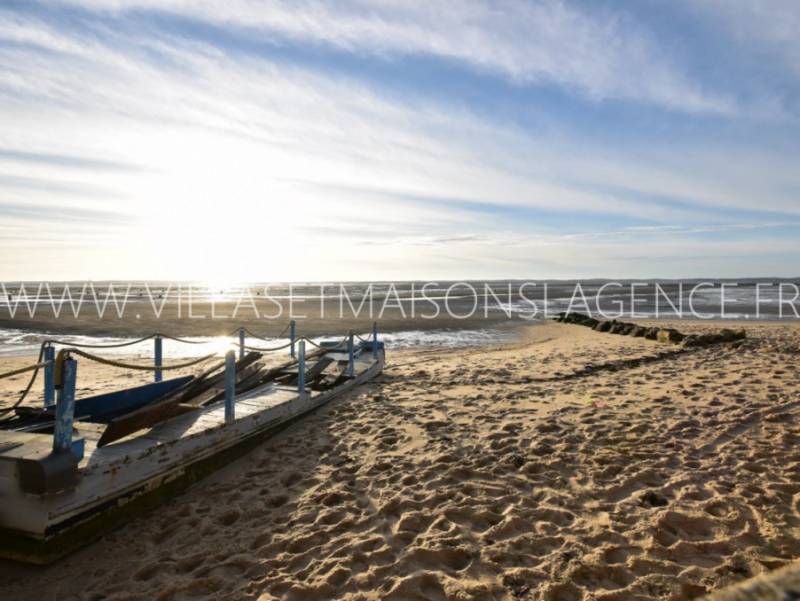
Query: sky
pixel 326 141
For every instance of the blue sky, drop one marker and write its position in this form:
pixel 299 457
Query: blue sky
pixel 246 140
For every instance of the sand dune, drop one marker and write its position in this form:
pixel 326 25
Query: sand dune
pixel 554 469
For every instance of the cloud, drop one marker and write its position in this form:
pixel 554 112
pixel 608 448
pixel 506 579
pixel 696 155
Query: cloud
pixel 597 53
pixel 239 154
pixel 52 186
pixel 771 26
pixel 65 160
pixel 59 214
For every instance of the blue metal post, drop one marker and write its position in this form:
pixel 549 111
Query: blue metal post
pixel 292 336
pixel 374 339
pixel 65 408
pixel 301 367
pixel 230 386
pixel 49 376
pixel 350 356
pixel 158 353
pixel 241 343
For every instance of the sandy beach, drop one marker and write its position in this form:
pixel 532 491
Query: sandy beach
pixel 573 465
pixel 399 301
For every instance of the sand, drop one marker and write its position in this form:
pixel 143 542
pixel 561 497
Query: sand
pixel 779 585
pixel 574 465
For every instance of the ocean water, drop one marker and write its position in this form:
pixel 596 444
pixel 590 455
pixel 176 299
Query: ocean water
pixel 496 301
pixel 16 342
pixel 748 298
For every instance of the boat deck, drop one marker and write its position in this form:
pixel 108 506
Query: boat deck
pixel 55 501
pixel 204 419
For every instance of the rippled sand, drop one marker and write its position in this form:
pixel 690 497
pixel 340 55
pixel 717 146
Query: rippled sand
pixel 577 465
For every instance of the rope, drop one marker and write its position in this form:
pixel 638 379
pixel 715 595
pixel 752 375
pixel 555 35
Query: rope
pixel 267 350
pixel 120 364
pixel 35 369
pixel 327 348
pixel 164 336
pixel 118 345
pixel 253 335
pixel 22 370
pixel 182 340
pixel 129 343
pixel 74 348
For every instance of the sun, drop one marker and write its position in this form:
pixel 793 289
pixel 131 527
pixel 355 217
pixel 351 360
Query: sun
pixel 220 289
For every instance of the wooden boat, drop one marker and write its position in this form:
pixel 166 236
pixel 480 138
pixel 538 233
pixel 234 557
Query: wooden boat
pixel 161 441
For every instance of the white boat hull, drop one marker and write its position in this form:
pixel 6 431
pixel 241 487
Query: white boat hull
pixel 139 472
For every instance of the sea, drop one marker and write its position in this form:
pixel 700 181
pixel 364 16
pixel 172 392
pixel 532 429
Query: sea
pixel 421 303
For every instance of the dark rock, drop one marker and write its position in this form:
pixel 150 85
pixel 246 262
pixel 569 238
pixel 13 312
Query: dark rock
pixel 603 326
pixel 651 333
pixel 727 335
pixel 617 328
pixel 637 332
pixel 701 339
pixel 578 318
pixel 669 335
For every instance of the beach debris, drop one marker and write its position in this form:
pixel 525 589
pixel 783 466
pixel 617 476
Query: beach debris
pixel 665 335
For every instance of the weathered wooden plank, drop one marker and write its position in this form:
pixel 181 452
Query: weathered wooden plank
pixel 171 406
pixel 104 407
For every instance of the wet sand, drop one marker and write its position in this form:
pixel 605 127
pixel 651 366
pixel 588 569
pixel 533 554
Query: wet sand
pixel 204 318
pixel 574 465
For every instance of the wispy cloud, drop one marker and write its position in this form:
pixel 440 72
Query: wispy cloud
pixel 596 52
pixel 772 26
pixel 64 160
pixel 60 214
